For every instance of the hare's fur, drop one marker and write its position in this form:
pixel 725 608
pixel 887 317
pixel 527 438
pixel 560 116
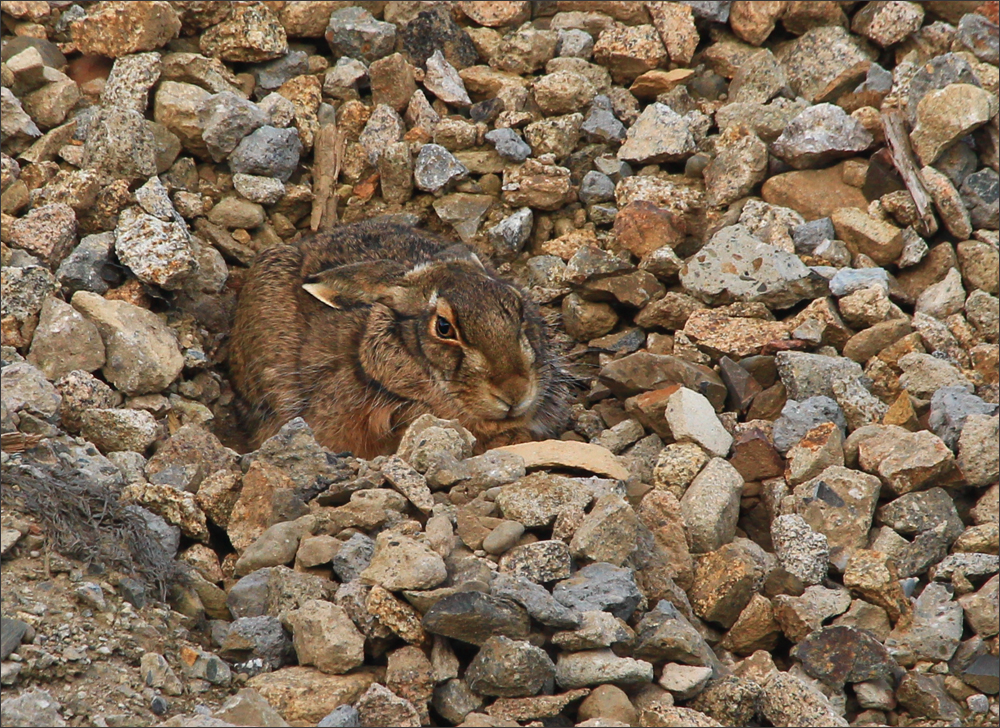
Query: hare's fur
pixel 342 329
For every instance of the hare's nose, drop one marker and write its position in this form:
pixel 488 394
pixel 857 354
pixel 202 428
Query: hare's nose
pixel 518 393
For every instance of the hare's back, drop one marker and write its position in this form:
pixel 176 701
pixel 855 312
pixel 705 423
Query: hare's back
pixel 364 241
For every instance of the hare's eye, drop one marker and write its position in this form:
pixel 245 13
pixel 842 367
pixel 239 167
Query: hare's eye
pixel 443 328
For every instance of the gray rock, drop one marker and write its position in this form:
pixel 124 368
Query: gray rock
pixel 354 32
pixel 575 43
pixel 950 407
pixel 344 716
pixel 509 144
pixel 167 536
pixel 788 700
pixel 809 235
pixel 599 667
pixel 601 587
pixel 716 11
pixel 272 74
pixel 157 252
pixel 121 143
pixel 383 128
pixel 819 135
pixel 120 429
pixel 32 707
pixel 664 634
pixel 261 190
pixel 914 513
pixel 839 503
pixel 538 562
pixel 860 407
pixel 442 80
pixel 11 633
pixel 825 59
pixel 710 506
pixel 980 192
pixel 935 631
pixel 225 120
pixel 476 617
pixel 806 376
pixel 848 280
pixel 65 341
pixel 276 546
pixel 797 418
pixel 248 596
pixel 736 266
pixel 88 267
pixel 509 668
pixel 536 599
pixel 268 152
pixel 660 134
pixel 353 557
pixel 510 234
pixel 601 125
pixel 435 168
pixel 596 187
pixel 26 389
pixel 142 352
pixel 938 73
pixel 803 552
pixel 257 638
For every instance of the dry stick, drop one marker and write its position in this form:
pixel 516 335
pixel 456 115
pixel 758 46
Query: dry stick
pixel 328 151
pixel 902 157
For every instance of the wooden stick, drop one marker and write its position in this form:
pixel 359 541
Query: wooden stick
pixel 328 152
pixel 902 158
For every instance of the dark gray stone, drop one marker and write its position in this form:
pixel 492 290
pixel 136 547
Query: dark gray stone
pixel 797 418
pixel 475 617
pixel 353 557
pixel 664 634
pixel 509 144
pixel 950 406
pixel 272 74
pixel 225 120
pixel 914 513
pixel 541 605
pixel 355 33
pixel 257 644
pixel 808 236
pixel 509 668
pixel 601 587
pixel 596 187
pixel 89 266
pixel 248 596
pixel 12 631
pixel 344 716
pixel 268 152
pixel 980 192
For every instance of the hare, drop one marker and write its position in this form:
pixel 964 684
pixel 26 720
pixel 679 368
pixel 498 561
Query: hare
pixel 362 329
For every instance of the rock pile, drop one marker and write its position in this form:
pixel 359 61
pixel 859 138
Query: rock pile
pixel 767 235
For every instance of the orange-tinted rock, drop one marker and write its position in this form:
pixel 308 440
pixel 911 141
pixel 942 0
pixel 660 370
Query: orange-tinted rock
pixel 813 193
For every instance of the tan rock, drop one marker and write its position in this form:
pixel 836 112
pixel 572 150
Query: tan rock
pixel 397 615
pixel 755 628
pixel 304 695
pixel 733 336
pixel 496 14
pixel 251 514
pixel 754 21
pixel 675 24
pixel 118 29
pixel 628 51
pixel 879 240
pixel 566 454
pixel 813 193
pixel 872 576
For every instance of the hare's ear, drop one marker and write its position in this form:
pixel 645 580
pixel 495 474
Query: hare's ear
pixel 459 252
pixel 378 281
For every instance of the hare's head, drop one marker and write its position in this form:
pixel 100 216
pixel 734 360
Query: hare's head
pixel 447 332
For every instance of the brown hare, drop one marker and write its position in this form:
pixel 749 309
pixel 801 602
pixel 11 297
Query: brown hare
pixel 362 329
